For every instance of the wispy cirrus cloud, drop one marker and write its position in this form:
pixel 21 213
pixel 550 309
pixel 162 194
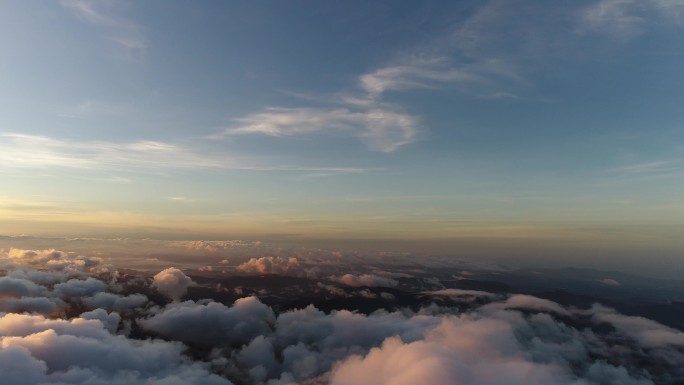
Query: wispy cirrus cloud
pixel 92 108
pixel 382 129
pixel 380 125
pixel 625 19
pixel 655 168
pixel 363 109
pixel 33 151
pixel 420 73
pixel 42 152
pixel 104 14
pixel 364 113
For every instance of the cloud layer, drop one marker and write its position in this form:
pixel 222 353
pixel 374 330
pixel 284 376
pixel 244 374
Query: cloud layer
pixel 85 326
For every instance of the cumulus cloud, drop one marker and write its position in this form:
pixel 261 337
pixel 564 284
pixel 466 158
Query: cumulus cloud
pixel 485 348
pixel 312 341
pixel 271 265
pixel 215 246
pixel 20 368
pixel 333 290
pixel 43 277
pixel 115 302
pixel 172 282
pixel 647 332
pixel 370 280
pixel 91 335
pixel 212 323
pixel 433 361
pixel 110 321
pixel 36 350
pixel 16 287
pixel 35 257
pixel 77 288
pixel 40 305
pixel 53 259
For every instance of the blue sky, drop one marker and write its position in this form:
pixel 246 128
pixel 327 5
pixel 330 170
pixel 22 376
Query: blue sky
pixel 321 119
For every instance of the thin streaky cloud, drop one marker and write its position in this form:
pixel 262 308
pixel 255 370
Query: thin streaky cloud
pixel 381 129
pixel 275 121
pixel 32 151
pixel 122 31
pixel 626 19
pixel 655 167
pixel 421 73
pixel 615 17
pixel 87 10
pixel 365 114
pixel 89 109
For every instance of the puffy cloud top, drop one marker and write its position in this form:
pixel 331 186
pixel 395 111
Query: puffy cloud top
pixel 79 288
pixel 16 287
pixel 212 324
pixel 270 265
pixel 53 259
pixel 497 338
pixel 364 280
pixel 172 282
pixel 115 302
pixel 36 350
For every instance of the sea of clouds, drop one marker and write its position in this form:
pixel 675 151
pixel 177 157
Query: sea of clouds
pixel 71 319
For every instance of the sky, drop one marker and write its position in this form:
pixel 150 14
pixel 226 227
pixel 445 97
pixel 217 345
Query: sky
pixel 497 127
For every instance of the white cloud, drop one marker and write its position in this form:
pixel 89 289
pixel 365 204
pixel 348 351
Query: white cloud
pixel 35 350
pixel 41 305
pixel 19 150
pixel 609 282
pixel 620 18
pixel 215 246
pixel 416 73
pixel 271 265
pixel 38 276
pixel 649 333
pixel 172 282
pixel 513 339
pixel 32 151
pixel 364 280
pixel 76 288
pixel 110 321
pixel 333 290
pixel 20 368
pixel 380 128
pixel 59 264
pixel 530 303
pixel 17 287
pixel 212 323
pixel 115 302
pixel 365 113
pixel 441 359
pixel 626 19
pixel 655 168
pixel 312 341
pixel 103 14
